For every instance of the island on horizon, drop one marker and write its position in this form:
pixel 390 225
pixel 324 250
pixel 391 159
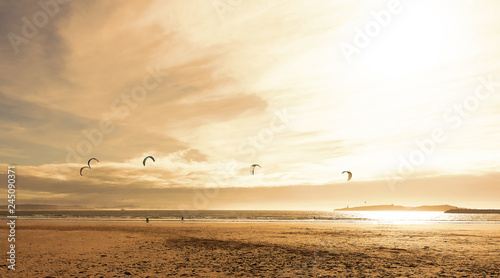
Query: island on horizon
pixel 435 208
pixel 399 208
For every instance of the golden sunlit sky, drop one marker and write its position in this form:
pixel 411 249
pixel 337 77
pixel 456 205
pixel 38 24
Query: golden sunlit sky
pixel 404 94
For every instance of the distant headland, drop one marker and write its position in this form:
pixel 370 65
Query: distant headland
pixel 399 208
pixel 436 208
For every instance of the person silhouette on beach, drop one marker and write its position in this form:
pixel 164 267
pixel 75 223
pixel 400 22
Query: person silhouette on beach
pixel 147 219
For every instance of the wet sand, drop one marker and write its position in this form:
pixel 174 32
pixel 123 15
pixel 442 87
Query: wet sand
pixel 159 249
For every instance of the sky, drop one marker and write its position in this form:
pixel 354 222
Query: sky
pixel 404 94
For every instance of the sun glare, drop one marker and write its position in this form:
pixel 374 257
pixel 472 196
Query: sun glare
pixel 411 43
pixel 400 217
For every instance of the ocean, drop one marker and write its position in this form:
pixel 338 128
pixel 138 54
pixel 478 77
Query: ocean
pixel 382 217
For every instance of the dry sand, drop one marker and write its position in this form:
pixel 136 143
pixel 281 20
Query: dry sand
pixel 113 249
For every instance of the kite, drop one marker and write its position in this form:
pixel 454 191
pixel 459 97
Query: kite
pixel 252 168
pixel 144 161
pixel 81 169
pixel 349 175
pixel 93 158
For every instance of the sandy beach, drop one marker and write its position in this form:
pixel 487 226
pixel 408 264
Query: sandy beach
pixel 158 249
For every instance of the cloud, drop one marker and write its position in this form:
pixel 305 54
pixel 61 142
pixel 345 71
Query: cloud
pixel 87 193
pixel 207 97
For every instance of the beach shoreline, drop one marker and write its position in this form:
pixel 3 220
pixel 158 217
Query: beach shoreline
pixel 195 249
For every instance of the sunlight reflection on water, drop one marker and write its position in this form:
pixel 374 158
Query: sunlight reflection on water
pixel 389 217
